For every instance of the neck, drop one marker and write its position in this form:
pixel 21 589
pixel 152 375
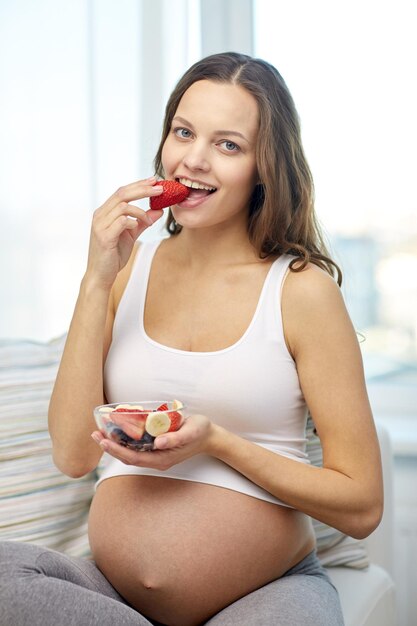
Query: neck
pixel 214 247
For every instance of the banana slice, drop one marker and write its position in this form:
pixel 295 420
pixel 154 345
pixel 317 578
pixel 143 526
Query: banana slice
pixel 130 407
pixel 157 423
pixel 177 405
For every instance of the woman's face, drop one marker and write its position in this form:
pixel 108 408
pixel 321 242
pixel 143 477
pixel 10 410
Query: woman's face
pixel 211 146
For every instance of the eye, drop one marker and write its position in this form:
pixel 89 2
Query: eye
pixel 229 146
pixel 182 133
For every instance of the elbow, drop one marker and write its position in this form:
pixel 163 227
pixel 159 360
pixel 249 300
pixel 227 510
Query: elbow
pixel 363 523
pixel 71 467
pixel 75 458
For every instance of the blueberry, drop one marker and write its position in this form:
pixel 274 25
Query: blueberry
pixel 146 443
pixel 111 428
pixel 147 438
pixel 118 435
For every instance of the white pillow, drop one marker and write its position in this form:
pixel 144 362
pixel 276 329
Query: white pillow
pixel 37 502
pixel 333 547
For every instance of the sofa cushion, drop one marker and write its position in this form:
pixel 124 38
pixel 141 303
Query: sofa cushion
pixel 37 502
pixel 367 597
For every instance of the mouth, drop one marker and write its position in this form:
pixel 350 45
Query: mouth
pixel 197 188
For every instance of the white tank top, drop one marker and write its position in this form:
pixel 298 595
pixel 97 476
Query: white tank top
pixel 250 388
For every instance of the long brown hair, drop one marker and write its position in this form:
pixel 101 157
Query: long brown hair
pixel 281 215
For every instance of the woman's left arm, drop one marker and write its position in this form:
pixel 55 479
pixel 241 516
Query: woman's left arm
pixel 347 493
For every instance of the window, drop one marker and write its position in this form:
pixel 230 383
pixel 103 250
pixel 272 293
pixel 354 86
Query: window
pixel 82 116
pixel 351 69
pixel 83 88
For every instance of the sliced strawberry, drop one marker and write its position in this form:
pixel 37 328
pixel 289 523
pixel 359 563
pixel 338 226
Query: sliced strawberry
pixel 131 420
pixel 176 420
pixel 173 193
pixel 163 407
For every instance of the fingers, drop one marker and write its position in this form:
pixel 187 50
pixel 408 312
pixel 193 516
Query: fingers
pixel 170 440
pixel 127 210
pixel 134 191
pixel 140 458
pixel 192 433
pixel 116 214
pixel 125 222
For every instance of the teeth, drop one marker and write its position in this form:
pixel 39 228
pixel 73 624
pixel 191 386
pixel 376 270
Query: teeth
pixel 194 185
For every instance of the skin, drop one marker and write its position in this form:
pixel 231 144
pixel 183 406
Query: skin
pixel 210 266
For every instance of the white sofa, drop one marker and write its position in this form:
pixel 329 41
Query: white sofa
pixel 368 595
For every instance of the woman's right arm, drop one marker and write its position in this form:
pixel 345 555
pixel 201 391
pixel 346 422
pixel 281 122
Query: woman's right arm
pixel 79 384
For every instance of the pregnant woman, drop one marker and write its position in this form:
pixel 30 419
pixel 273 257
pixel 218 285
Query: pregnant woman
pixel 238 313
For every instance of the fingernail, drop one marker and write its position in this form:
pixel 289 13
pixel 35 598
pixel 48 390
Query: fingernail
pixel 95 437
pixel 162 442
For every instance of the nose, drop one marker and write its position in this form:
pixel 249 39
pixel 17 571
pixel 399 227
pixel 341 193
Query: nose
pixel 196 157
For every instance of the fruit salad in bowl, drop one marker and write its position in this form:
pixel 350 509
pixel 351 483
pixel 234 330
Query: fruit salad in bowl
pixel 136 424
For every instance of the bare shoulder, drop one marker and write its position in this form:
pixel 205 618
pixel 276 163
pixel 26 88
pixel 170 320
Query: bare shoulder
pixel 311 282
pixel 311 290
pixel 312 306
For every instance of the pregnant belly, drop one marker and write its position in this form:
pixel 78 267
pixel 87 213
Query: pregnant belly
pixel 180 551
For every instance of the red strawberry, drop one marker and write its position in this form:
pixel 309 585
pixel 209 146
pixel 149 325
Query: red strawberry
pixel 163 407
pixel 173 193
pixel 131 420
pixel 176 420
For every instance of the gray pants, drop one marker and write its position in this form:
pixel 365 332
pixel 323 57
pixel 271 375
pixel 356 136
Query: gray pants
pixel 40 587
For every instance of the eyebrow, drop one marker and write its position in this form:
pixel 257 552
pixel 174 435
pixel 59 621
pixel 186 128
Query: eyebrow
pixel 217 132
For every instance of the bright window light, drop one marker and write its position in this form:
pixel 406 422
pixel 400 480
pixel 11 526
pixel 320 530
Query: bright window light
pixel 351 69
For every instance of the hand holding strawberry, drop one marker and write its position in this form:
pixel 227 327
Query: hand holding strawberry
pixel 116 226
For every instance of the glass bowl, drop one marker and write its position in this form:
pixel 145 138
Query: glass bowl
pixel 136 424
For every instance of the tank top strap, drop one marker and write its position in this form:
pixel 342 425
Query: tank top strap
pixel 269 319
pixel 132 303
